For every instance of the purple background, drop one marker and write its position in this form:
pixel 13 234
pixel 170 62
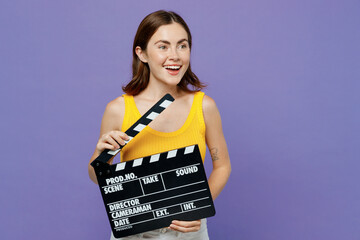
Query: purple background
pixel 285 76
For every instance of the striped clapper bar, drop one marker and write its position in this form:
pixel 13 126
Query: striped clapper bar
pixel 148 193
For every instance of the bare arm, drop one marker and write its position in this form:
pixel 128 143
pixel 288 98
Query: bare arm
pixel 110 134
pixel 217 146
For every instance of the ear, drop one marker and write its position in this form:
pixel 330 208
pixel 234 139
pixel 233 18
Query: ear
pixel 141 54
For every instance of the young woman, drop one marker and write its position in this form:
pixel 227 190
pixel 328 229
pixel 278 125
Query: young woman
pixel 161 64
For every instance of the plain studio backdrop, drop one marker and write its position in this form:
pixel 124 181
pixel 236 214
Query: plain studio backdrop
pixel 285 76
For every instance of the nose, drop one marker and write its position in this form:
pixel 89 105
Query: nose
pixel 173 54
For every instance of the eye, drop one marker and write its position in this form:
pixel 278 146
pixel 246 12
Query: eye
pixel 162 47
pixel 182 46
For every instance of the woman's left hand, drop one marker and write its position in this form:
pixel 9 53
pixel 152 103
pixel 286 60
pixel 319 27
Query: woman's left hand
pixel 185 226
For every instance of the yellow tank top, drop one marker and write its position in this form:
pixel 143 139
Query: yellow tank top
pixel 149 141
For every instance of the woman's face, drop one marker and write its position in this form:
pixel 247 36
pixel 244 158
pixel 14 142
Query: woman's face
pixel 167 54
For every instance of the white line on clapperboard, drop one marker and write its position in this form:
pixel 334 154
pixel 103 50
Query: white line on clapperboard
pixel 142 189
pixel 159 192
pixel 166 216
pixel 163 199
pixel 162 179
pixel 150 175
pixel 162 208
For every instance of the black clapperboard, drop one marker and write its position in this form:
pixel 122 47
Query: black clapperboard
pixel 148 193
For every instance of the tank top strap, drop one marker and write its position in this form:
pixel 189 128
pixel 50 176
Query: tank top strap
pixel 198 100
pixel 131 115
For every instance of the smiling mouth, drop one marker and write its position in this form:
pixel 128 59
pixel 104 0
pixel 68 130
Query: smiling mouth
pixel 175 67
pixel 173 70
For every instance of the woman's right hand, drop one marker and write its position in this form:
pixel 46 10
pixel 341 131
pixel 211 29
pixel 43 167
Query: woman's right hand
pixel 111 140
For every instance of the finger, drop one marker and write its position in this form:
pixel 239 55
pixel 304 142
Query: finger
pixel 123 135
pixel 117 137
pixel 187 223
pixel 110 140
pixel 103 146
pixel 186 226
pixel 184 229
pixel 120 137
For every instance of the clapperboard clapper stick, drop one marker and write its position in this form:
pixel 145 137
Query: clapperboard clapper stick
pixel 148 193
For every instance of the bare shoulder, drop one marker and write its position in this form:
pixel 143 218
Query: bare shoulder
pixel 209 106
pixel 113 115
pixel 116 107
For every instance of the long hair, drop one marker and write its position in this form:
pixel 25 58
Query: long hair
pixel 140 70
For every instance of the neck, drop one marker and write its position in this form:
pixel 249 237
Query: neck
pixel 157 91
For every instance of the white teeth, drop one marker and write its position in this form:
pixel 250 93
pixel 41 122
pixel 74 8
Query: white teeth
pixel 172 67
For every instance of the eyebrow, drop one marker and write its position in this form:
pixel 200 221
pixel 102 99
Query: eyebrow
pixel 167 42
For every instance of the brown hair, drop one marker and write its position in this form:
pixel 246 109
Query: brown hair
pixel 141 71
